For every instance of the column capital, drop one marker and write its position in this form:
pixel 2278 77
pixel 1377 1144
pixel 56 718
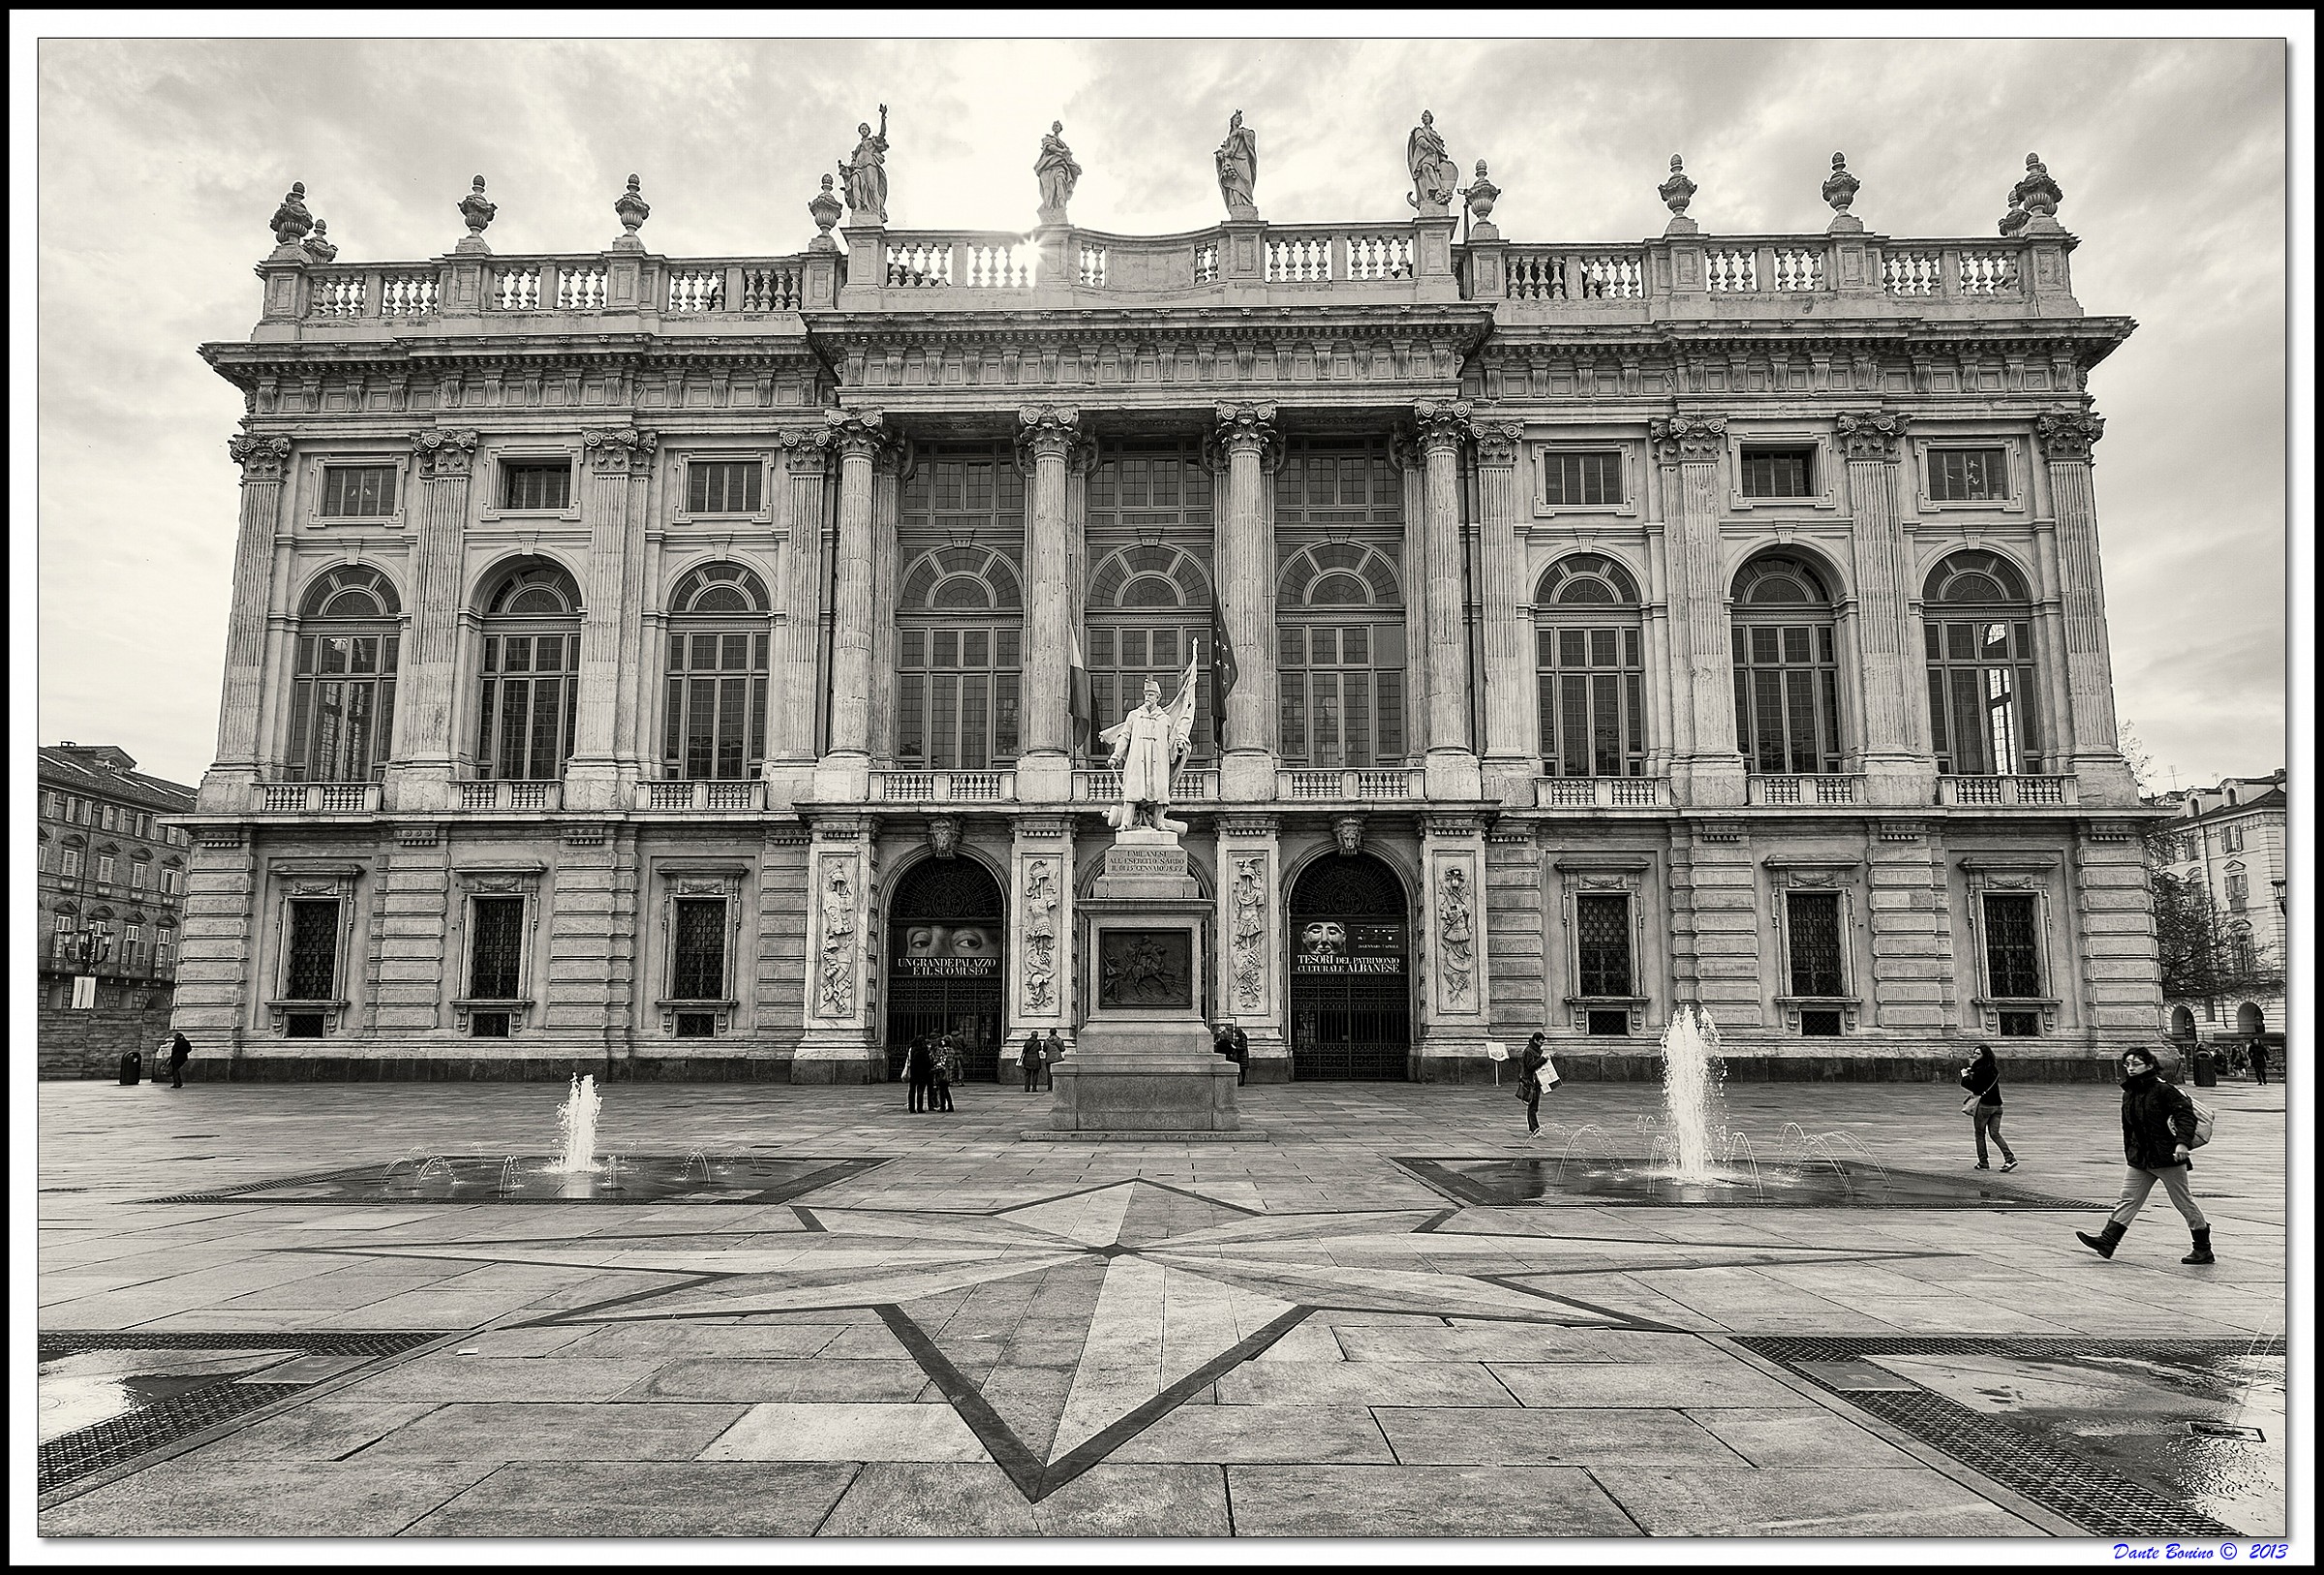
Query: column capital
pixel 2066 436
pixel 443 455
pixel 621 453
pixel 1680 440
pixel 1048 431
pixel 1498 441
pixel 857 433
pixel 1248 827
pixel 262 459
pixel 1246 428
pixel 805 449
pixel 1871 435
pixel 1442 424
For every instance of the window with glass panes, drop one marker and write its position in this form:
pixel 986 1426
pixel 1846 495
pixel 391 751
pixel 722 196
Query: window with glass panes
pixel 495 949
pixel 715 691
pixel 723 486
pixel 1601 944
pixel 528 485
pixel 1779 473
pixel 1581 480
pixel 959 609
pixel 105 869
pixel 530 683
pixel 1813 922
pixel 343 679
pixel 1590 670
pixel 2012 945
pixel 1968 474
pixel 1148 600
pixel 358 491
pixel 1339 609
pixel 698 949
pixel 1787 673
pixel 310 965
pixel 1979 632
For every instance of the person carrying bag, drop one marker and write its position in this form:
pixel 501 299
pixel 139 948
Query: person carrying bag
pixel 1982 1077
pixel 1536 1074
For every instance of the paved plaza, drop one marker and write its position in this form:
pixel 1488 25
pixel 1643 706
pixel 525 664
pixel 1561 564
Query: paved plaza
pixel 815 1314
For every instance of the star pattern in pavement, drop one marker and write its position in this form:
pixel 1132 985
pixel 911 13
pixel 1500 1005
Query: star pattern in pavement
pixel 1061 1327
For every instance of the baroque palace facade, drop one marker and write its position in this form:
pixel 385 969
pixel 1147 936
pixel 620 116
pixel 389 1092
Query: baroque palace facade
pixel 691 666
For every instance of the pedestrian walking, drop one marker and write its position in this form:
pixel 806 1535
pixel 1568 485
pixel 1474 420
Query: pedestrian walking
pixel 2158 1129
pixel 1052 1051
pixel 1030 1061
pixel 1982 1077
pixel 2260 1063
pixel 1532 1078
pixel 181 1050
pixel 915 1068
pixel 943 1068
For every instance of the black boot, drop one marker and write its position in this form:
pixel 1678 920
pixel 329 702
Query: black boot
pixel 2201 1252
pixel 2104 1242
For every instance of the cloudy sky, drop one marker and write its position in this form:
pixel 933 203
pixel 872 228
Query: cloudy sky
pixel 160 163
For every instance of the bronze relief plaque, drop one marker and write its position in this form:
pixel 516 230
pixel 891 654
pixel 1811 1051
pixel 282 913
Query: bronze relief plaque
pixel 1146 967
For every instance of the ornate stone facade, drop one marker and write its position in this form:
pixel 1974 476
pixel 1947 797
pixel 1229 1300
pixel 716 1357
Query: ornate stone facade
pixel 1579 630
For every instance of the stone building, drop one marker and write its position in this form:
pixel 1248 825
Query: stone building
pixel 689 666
pixel 2229 846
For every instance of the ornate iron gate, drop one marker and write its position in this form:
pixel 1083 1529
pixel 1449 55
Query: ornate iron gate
pixel 1351 991
pixel 946 939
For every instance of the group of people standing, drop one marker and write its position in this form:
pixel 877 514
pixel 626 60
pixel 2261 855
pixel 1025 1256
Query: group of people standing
pixel 932 1066
pixel 1230 1042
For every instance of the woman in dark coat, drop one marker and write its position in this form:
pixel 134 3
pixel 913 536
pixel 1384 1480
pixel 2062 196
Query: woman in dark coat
pixel 1982 1077
pixel 916 1068
pixel 1030 1061
pixel 2158 1122
pixel 1529 1082
pixel 181 1050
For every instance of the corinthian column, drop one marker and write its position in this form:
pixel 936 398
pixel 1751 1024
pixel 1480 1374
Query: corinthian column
pixel 1044 764
pixel 443 461
pixel 2092 747
pixel 1898 765
pixel 263 461
pixel 611 603
pixel 1512 755
pixel 1705 765
pixel 791 704
pixel 857 436
pixel 1246 591
pixel 1452 761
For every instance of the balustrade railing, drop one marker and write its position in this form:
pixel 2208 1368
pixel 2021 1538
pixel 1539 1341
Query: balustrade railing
pixel 696 289
pixel 1299 260
pixel 1543 275
pixel 1600 792
pixel 1380 257
pixel 1797 269
pixel 535 797
pixel 1827 787
pixel 515 287
pixel 1090 266
pixel 1906 272
pixel 944 786
pixel 1205 262
pixel 339 294
pixel 1366 784
pixel 707 796
pixel 2009 792
pixel 319 798
pixel 1730 270
pixel 772 288
pixel 1988 273
pixel 581 288
pixel 408 294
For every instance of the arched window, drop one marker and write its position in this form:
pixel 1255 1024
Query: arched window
pixel 1979 624
pixel 960 620
pixel 343 686
pixel 1148 608
pixel 1339 651
pixel 715 707
pixel 532 664
pixel 1591 674
pixel 1786 678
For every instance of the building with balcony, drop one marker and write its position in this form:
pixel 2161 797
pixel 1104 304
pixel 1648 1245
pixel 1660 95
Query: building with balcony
pixel 690 665
pixel 111 879
pixel 2225 854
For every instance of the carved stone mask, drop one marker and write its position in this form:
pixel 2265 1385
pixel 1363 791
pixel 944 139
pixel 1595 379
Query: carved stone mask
pixel 943 836
pixel 1348 832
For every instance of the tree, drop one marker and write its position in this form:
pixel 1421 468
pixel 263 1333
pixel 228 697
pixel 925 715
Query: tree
pixel 2135 755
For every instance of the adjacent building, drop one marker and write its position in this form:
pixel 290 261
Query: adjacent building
pixel 2226 855
pixel 689 666
pixel 111 879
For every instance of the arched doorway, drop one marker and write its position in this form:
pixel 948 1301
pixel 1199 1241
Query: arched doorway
pixel 2249 1020
pixel 2182 1025
pixel 1351 986
pixel 946 930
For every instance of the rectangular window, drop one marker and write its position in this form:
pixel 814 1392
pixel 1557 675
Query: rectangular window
pixel 136 875
pixel 1820 1025
pixel 698 960
pixel 1968 474
pixel 342 707
pixel 488 1025
pixel 958 698
pixel 1814 918
pixel 2012 945
pixel 723 486
pixel 169 881
pixel 527 485
pixel 1786 698
pixel 358 491
pixel 525 725
pixel 1591 685
pixel 312 972
pixel 1777 473
pixel 69 863
pixel 1347 707
pixel 495 949
pixel 163 953
pixel 1982 717
pixel 1581 480
pixel 105 869
pixel 1601 944
pixel 2239 891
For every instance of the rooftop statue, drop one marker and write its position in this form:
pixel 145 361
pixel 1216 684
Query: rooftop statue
pixel 1237 161
pixel 1435 177
pixel 1149 744
pixel 1057 171
pixel 864 172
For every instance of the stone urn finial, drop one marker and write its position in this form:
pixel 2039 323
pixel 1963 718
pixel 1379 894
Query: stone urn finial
pixel 478 213
pixel 631 209
pixel 1481 196
pixel 319 245
pixel 291 222
pixel 2038 195
pixel 825 205
pixel 1840 190
pixel 1676 192
pixel 2014 220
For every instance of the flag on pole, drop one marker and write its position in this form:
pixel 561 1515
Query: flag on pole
pixel 1077 692
pixel 1223 672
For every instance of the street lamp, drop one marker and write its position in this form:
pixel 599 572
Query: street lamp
pixel 2278 884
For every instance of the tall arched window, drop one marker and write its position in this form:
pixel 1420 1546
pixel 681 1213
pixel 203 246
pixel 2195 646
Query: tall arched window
pixel 1591 671
pixel 960 620
pixel 1339 651
pixel 1979 624
pixel 715 707
pixel 1787 677
pixel 343 683
pixel 1148 608
pixel 532 665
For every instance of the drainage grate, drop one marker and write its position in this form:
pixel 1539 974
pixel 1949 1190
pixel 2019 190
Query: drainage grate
pixel 119 1440
pixel 2092 1496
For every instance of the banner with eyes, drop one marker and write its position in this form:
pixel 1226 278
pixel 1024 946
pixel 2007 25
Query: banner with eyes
pixel 946 950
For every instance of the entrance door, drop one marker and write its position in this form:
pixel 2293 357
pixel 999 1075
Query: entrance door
pixel 945 937
pixel 1351 989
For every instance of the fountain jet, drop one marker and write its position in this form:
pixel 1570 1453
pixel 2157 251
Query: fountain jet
pixel 1693 1110
pixel 577 1127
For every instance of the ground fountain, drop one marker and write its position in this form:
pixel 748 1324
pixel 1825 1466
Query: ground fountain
pixel 577 1127
pixel 1693 1111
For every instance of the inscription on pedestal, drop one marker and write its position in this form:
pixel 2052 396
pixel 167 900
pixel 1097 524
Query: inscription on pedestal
pixel 1144 969
pixel 1135 862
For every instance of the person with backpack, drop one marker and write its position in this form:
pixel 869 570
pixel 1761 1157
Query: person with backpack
pixel 2160 1125
pixel 181 1050
pixel 1982 1077
pixel 944 1068
pixel 1030 1061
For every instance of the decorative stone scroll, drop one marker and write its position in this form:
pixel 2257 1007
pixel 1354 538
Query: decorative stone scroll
pixel 1046 431
pixel 1456 940
pixel 1244 427
pixel 2069 436
pixel 1041 936
pixel 442 455
pixel 835 964
pixel 1498 441
pixel 262 459
pixel 621 452
pixel 1248 941
pixel 1871 434
pixel 1680 440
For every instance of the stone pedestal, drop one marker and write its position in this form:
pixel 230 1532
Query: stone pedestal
pixel 1143 1061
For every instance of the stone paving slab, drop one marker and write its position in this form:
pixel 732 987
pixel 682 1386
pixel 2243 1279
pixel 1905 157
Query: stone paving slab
pixel 267 1498
pixel 1423 1501
pixel 636 1499
pixel 505 1431
pixel 1844 1502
